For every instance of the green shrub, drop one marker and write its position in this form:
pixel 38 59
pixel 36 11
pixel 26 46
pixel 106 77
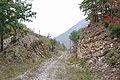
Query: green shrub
pixel 112 57
pixel 107 24
pixel 45 40
pixel 73 60
pixel 116 11
pixel 87 75
pixel 115 30
pixel 13 40
pixel 13 70
pixel 37 42
pixel 83 62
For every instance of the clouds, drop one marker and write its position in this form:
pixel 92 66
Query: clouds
pixel 55 16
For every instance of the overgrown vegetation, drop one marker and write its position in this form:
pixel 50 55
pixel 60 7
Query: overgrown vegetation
pixel 53 44
pixel 60 46
pixel 97 9
pixel 21 57
pixel 105 11
pixel 106 24
pixel 79 69
pixel 13 12
pixel 115 30
pixel 83 62
pixel 18 59
pixel 74 37
pixel 112 57
pixel 12 70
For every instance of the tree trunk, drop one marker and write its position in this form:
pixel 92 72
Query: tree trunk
pixel 52 48
pixel 76 45
pixel 1 42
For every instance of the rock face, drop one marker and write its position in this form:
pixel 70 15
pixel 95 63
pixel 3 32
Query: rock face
pixel 29 48
pixel 95 43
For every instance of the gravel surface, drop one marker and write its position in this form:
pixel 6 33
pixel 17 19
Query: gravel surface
pixel 52 69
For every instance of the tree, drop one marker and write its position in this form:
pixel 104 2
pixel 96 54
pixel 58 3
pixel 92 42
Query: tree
pixel 13 12
pixel 53 44
pixel 93 8
pixel 90 8
pixel 74 36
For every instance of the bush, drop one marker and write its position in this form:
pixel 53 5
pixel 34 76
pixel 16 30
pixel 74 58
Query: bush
pixel 83 62
pixel 116 11
pixel 115 30
pixel 112 57
pixel 73 60
pixel 13 40
pixel 37 43
pixel 107 24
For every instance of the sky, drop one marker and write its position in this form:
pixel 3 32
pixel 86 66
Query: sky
pixel 54 17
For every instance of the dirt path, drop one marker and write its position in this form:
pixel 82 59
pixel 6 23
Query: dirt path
pixel 53 69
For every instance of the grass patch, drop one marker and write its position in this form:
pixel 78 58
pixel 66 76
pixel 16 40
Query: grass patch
pixel 112 57
pixel 73 60
pixel 115 30
pixel 79 74
pixel 83 62
pixel 45 40
pixel 83 74
pixel 87 75
pixel 13 70
pixel 82 71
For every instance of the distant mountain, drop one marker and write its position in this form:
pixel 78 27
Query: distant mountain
pixel 64 38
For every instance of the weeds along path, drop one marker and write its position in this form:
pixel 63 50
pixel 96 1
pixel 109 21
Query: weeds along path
pixel 52 69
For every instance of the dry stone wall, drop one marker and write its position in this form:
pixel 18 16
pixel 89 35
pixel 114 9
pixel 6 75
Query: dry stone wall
pixel 95 41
